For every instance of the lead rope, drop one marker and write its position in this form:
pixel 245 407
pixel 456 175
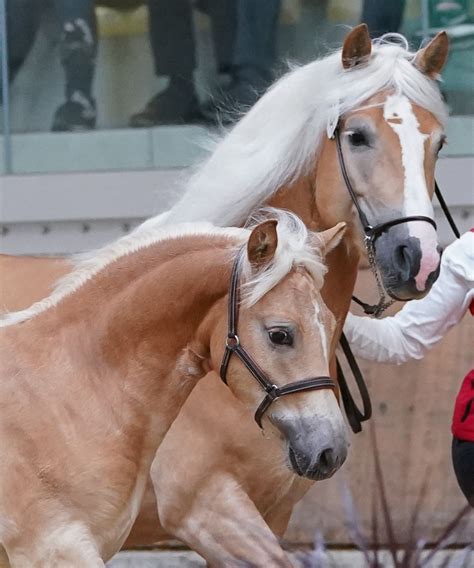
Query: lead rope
pixel 446 211
pixel 354 415
pixel 375 310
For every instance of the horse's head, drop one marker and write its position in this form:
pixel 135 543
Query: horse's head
pixel 389 145
pixel 288 332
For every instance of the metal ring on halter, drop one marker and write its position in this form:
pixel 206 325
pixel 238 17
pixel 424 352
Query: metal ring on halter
pixel 232 341
pixel 233 345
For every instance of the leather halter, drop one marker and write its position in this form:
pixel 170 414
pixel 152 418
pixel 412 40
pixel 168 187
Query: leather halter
pixel 233 345
pixel 372 233
pixel 354 415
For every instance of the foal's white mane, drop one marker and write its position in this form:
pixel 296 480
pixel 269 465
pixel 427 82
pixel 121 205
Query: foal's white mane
pixel 274 144
pixel 296 247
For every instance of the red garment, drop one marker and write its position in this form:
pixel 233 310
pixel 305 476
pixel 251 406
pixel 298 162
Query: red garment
pixel 463 418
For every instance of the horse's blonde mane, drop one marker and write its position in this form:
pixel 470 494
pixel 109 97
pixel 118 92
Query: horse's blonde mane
pixel 272 145
pixel 278 140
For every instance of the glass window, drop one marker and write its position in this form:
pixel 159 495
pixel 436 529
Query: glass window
pixel 131 84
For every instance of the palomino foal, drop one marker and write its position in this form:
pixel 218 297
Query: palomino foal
pixel 92 380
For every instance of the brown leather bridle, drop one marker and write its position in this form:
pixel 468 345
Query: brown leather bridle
pixel 371 234
pixel 233 345
pixel 354 415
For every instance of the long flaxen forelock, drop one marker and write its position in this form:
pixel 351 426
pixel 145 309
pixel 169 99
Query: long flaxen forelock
pixel 296 248
pixel 278 140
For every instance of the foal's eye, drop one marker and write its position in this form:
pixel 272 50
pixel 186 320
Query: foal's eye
pixel 358 138
pixel 280 336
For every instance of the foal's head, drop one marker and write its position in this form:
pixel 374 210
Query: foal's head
pixel 390 145
pixel 288 331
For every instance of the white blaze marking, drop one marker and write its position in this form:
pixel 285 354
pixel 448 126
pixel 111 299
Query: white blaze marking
pixel 398 113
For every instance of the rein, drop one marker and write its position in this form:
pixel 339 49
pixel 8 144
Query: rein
pixel 233 346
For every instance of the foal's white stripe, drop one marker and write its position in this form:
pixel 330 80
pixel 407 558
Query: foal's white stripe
pixel 398 113
pixel 322 330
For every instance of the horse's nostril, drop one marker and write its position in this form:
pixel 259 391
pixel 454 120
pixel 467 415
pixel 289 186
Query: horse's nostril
pixel 326 460
pixel 402 259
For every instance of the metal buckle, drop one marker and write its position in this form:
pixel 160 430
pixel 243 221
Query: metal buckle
pixel 232 341
pixel 273 392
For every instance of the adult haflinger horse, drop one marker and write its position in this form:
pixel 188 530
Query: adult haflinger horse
pixel 368 120
pixel 91 381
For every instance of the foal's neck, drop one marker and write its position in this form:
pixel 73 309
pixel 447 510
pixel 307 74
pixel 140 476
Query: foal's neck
pixel 141 313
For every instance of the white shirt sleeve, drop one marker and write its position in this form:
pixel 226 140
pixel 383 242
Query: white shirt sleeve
pixel 420 324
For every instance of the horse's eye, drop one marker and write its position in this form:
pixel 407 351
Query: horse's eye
pixel 358 138
pixel 280 336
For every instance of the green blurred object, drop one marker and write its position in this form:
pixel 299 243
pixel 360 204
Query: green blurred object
pixel 445 13
pixel 456 18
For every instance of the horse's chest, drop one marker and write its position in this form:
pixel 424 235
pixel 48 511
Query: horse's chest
pixel 114 537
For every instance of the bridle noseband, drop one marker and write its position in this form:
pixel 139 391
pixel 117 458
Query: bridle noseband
pixel 233 345
pixel 372 233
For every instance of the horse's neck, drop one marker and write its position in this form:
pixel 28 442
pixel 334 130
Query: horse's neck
pixel 300 197
pixel 140 316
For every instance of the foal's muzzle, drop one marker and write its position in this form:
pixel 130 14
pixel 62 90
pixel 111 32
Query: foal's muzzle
pixel 315 449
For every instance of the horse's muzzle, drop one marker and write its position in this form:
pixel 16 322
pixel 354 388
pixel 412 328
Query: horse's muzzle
pixel 400 262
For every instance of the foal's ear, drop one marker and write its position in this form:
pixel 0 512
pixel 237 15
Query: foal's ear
pixel 330 238
pixel 357 47
pixel 262 243
pixel 431 59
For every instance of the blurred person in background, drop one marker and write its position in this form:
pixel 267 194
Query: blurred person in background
pixel 78 52
pixel 244 34
pixel 383 16
pixel 416 328
pixel 253 59
pixel 173 44
pixel 23 18
pixel 173 47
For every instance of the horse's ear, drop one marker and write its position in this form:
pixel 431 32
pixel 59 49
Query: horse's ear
pixel 262 243
pixel 431 59
pixel 357 47
pixel 330 238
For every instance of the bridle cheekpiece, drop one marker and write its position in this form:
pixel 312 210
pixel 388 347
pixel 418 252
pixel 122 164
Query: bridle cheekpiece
pixel 234 346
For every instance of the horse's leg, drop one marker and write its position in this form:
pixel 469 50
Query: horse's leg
pixel 223 525
pixel 4 563
pixel 70 545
